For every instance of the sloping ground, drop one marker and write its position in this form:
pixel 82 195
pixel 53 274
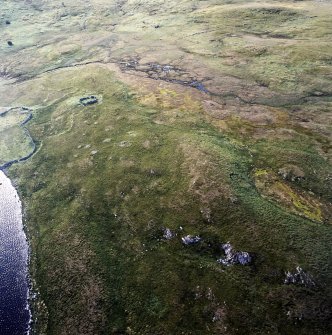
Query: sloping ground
pixel 157 120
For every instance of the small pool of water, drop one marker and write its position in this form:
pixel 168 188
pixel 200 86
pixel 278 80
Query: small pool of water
pixel 14 309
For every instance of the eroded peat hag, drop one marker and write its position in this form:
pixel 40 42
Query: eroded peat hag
pixel 182 178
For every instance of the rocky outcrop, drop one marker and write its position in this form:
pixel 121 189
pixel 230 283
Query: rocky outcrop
pixel 168 234
pixel 299 277
pixel 234 257
pixel 190 239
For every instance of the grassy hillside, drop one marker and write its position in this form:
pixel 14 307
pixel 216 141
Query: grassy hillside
pixel 212 119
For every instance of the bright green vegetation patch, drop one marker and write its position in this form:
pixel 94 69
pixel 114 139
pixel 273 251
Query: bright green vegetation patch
pixel 106 181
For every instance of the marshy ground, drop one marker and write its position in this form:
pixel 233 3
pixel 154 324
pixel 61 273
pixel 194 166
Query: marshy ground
pixel 202 118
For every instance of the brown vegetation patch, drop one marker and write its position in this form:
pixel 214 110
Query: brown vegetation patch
pixel 207 180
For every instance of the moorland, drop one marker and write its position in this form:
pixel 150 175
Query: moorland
pixel 161 131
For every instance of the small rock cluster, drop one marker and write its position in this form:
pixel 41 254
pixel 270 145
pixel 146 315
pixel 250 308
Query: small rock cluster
pixel 299 277
pixel 234 257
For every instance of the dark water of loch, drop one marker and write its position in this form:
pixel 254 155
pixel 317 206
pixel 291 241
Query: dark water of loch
pixel 14 308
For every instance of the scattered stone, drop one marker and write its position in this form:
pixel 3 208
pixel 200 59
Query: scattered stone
pixel 10 43
pixel 198 85
pixel 189 239
pixel 93 152
pixel 299 277
pixel 124 144
pixel 106 140
pixel 318 94
pixel 219 315
pixel 87 146
pixel 209 294
pixel 132 133
pixel 234 257
pixel 90 100
pixel 233 199
pixel 167 68
pixel 168 234
pixel 157 26
pixel 147 144
pixel 153 173
pixel 291 172
pixel 207 214
pixel 198 292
